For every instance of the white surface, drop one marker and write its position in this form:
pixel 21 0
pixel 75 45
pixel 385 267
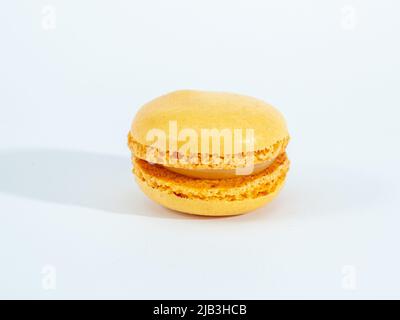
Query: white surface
pixel 68 200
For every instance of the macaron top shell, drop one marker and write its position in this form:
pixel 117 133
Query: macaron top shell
pixel 197 110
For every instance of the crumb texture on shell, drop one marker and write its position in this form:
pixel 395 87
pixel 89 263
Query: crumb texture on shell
pixel 234 189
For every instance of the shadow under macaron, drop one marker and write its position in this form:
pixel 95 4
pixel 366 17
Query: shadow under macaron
pixel 84 179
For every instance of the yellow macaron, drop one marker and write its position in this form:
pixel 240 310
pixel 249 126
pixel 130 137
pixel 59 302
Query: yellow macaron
pixel 209 153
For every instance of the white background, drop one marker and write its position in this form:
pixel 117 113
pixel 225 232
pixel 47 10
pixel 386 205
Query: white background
pixel 73 224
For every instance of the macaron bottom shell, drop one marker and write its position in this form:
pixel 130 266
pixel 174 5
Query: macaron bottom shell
pixel 215 208
pixel 225 197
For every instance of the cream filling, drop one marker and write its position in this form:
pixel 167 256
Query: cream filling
pixel 222 173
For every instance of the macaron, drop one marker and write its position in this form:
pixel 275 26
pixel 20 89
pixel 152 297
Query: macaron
pixel 209 153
